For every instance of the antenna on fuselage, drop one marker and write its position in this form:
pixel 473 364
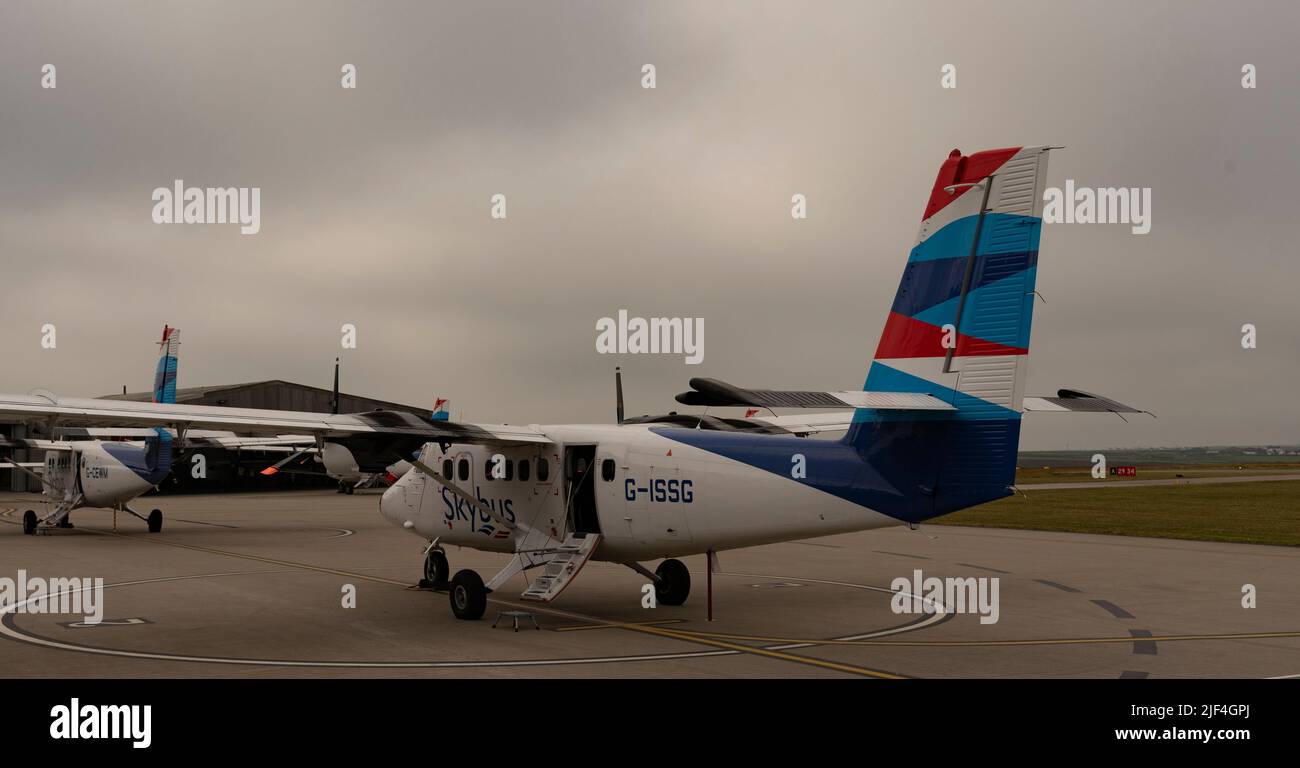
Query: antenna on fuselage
pixel 334 402
pixel 618 393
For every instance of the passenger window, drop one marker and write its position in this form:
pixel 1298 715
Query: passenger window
pixel 543 470
pixel 523 470
pixel 607 470
pixel 462 470
pixel 446 468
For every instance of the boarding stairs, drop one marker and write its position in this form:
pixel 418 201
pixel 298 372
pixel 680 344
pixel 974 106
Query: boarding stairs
pixel 565 562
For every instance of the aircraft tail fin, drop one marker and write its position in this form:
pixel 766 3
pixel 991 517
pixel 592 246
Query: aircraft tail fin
pixel 958 330
pixel 164 379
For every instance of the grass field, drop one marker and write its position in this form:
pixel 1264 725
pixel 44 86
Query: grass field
pixel 1252 513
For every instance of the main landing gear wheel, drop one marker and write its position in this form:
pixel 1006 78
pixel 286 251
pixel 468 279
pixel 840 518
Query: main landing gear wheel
pixel 66 522
pixel 436 568
pixel 155 521
pixel 29 522
pixel 468 596
pixel 674 582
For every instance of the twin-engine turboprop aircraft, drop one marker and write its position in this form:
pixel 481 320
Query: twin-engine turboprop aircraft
pixel 112 472
pixel 934 430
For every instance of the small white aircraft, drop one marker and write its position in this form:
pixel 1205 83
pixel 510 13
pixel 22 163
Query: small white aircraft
pixel 109 472
pixel 935 429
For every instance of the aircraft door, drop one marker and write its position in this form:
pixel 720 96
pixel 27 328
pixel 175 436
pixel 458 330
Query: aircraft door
pixel 580 489
pixel 668 501
pixel 636 498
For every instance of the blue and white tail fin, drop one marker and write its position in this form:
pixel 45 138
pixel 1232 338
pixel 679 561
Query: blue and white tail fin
pixel 159 449
pixel 164 379
pixel 958 329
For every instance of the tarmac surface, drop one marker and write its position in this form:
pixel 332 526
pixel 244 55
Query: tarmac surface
pixel 254 585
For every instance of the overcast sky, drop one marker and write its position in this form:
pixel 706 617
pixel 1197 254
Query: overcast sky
pixel 375 202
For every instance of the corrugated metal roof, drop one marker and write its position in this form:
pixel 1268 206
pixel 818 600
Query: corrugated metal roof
pixel 192 394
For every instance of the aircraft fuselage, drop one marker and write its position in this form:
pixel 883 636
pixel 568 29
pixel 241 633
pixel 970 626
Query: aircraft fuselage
pixel 648 495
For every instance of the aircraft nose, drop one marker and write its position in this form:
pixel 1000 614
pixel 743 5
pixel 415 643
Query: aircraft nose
pixel 395 508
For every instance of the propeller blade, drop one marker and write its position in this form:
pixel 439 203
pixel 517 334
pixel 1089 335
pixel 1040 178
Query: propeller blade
pixel 271 470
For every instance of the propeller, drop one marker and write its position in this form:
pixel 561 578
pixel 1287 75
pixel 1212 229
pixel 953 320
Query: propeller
pixel 274 468
pixel 618 393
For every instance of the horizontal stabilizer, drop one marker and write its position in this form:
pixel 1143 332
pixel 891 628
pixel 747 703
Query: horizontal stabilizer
pixel 712 392
pixel 1075 400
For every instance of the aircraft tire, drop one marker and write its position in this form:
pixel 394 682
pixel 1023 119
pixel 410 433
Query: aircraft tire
pixel 29 522
pixel 674 583
pixel 155 521
pixel 436 567
pixel 468 596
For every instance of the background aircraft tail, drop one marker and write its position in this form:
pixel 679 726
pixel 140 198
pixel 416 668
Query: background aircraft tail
pixel 958 329
pixel 164 379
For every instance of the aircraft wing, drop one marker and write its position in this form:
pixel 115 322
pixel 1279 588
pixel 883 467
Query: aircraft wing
pixel 34 444
pixel 376 424
pixel 195 438
pixel 810 423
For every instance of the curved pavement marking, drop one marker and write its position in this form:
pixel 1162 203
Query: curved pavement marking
pixel 1014 643
pixel 651 630
pixel 9 629
pixel 1112 609
pixel 985 568
pixel 1058 585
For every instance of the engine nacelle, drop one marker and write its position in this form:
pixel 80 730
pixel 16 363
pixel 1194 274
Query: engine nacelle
pixel 339 462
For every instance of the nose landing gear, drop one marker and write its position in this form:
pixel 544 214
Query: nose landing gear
pixel 436 569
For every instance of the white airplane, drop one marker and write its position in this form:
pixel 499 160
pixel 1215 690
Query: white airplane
pixel 110 473
pixel 935 429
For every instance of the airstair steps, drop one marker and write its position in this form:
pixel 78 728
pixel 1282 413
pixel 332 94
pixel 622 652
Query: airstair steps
pixel 567 560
